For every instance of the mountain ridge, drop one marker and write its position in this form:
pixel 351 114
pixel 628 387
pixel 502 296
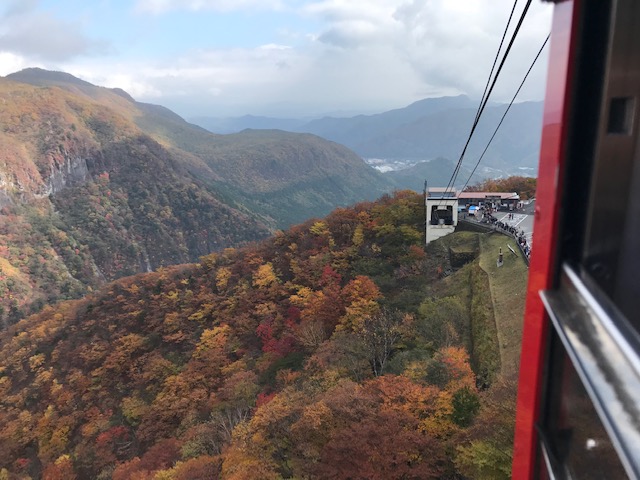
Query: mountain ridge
pixel 94 186
pixel 170 129
pixel 437 127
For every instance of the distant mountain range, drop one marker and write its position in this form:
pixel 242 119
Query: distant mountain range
pixel 94 186
pixel 436 173
pixel 425 130
pixel 237 124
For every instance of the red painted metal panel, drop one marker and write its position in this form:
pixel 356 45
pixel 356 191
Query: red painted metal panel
pixel 543 259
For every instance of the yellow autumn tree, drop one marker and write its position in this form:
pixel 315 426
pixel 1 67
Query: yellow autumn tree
pixel 362 295
pixel 265 276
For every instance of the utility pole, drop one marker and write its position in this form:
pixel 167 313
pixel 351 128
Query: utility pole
pixel 426 213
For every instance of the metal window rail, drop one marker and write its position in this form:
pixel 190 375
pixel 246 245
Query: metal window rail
pixel 604 350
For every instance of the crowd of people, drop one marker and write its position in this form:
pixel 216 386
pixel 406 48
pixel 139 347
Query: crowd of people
pixel 516 233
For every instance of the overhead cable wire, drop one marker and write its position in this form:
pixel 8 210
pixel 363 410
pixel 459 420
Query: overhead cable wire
pixel 486 86
pixel 493 84
pixel 483 105
pixel 495 60
pixel 506 111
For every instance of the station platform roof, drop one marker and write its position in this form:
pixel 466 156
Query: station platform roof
pixel 492 195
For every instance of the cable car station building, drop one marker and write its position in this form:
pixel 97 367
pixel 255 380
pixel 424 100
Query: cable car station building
pixel 444 204
pixel 495 200
pixel 442 212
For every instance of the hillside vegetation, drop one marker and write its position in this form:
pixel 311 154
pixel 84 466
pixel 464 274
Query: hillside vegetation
pixel 87 197
pixel 95 186
pixel 523 186
pixel 269 164
pixel 339 348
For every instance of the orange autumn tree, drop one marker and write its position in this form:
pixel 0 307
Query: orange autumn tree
pixel 362 296
pixel 370 431
pixel 61 469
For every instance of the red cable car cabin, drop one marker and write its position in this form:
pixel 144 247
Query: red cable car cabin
pixel 579 393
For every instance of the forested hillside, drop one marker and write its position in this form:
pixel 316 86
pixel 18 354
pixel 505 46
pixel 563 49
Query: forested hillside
pixel 339 348
pixel 276 175
pixel 523 186
pixel 95 186
pixel 87 197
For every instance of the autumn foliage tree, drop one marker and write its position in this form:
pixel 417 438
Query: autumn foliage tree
pixel 523 186
pixel 308 355
pixel 348 431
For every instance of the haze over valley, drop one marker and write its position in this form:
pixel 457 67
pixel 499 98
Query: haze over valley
pixel 433 128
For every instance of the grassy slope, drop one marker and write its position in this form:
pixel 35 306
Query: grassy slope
pixel 502 316
pixel 508 286
pixel 493 299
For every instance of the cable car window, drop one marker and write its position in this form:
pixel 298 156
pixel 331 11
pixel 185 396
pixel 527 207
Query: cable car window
pixel 590 422
pixel 581 448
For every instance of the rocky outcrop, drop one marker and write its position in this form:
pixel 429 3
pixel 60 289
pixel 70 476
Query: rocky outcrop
pixel 72 172
pixel 6 199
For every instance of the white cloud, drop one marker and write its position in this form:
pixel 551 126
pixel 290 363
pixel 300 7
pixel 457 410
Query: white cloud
pixel 274 46
pixel 355 23
pixel 449 45
pixel 10 63
pixel 343 10
pixel 18 7
pixel 362 55
pixel 366 56
pixel 202 80
pixel 164 6
pixel 27 31
pixel 134 85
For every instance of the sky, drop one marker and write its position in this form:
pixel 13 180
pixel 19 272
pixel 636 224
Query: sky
pixel 280 58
